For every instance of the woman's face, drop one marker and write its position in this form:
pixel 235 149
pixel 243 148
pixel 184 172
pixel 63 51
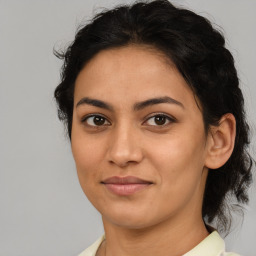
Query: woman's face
pixel 138 139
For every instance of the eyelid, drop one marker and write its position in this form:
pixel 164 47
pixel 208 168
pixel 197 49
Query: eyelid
pixel 171 119
pixel 85 118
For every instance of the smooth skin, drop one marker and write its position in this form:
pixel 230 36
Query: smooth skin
pixel 164 142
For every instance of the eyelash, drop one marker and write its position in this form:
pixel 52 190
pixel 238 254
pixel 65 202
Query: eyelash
pixel 167 118
pixel 85 119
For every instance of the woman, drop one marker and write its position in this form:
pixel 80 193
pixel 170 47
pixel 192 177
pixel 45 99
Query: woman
pixel 155 115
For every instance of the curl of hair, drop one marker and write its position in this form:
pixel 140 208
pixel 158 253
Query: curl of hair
pixel 198 51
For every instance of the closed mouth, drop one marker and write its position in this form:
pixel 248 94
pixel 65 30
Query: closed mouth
pixel 125 180
pixel 125 186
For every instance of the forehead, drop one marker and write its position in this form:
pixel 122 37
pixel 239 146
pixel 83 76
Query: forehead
pixel 131 73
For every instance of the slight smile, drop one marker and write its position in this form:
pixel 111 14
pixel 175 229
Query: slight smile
pixel 125 186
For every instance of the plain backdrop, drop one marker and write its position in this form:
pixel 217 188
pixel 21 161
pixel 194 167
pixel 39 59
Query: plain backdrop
pixel 43 210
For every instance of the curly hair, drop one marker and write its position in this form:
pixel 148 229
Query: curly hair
pixel 198 51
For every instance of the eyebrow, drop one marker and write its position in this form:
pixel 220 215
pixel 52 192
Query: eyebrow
pixel 137 106
pixel 154 101
pixel 94 102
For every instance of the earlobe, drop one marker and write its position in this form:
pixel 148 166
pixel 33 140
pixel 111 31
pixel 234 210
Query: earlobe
pixel 221 141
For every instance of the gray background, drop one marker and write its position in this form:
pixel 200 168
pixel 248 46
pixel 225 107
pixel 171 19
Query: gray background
pixel 43 211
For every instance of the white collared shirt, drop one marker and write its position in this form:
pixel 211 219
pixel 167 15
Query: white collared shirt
pixel 212 245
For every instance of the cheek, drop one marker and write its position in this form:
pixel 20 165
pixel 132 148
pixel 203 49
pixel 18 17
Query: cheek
pixel 179 165
pixel 88 156
pixel 179 159
pixel 85 155
pixel 178 149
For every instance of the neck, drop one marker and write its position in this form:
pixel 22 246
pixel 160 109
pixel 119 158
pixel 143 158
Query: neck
pixel 163 239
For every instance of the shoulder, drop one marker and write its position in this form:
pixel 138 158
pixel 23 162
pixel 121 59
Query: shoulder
pixel 91 250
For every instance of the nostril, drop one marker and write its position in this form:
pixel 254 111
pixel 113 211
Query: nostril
pixel 124 149
pixel 119 163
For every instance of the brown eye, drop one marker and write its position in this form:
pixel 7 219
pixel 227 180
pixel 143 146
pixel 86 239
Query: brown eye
pixel 96 120
pixel 99 120
pixel 159 120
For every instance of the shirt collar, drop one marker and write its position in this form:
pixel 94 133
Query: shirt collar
pixel 212 245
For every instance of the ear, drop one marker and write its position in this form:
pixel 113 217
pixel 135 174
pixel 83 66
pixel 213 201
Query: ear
pixel 220 142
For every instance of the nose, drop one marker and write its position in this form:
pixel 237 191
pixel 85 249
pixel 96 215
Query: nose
pixel 125 146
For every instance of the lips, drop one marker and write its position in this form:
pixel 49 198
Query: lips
pixel 125 186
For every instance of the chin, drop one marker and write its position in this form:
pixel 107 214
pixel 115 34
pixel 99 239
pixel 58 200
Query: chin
pixel 131 223
pixel 130 220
